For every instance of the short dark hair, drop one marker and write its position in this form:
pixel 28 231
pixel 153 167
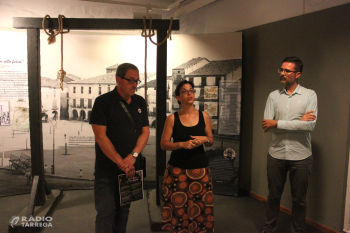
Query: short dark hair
pixel 298 64
pixel 179 86
pixel 123 68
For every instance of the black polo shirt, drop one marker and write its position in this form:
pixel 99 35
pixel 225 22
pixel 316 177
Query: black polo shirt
pixel 107 111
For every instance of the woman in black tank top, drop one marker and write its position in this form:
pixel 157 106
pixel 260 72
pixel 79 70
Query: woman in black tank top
pixel 187 200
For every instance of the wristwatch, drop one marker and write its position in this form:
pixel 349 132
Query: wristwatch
pixel 134 154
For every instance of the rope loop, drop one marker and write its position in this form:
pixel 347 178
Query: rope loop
pixel 53 33
pixel 151 31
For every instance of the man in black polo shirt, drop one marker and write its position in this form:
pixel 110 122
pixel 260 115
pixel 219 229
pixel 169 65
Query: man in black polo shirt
pixel 117 146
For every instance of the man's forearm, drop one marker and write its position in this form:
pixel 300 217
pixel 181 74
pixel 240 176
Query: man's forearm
pixel 269 124
pixel 296 126
pixel 293 127
pixel 108 149
pixel 142 141
pixel 289 126
pixel 140 144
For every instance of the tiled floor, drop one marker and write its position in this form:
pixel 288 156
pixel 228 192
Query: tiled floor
pixel 76 213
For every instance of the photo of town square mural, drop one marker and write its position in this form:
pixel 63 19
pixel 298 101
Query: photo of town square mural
pixel 213 62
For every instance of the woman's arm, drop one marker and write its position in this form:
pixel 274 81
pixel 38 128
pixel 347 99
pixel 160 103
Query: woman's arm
pixel 208 130
pixel 165 142
pixel 207 140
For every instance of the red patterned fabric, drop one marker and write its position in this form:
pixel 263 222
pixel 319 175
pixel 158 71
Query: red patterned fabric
pixel 187 201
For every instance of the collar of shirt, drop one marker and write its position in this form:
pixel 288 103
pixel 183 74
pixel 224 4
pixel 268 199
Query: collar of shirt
pixel 296 91
pixel 133 98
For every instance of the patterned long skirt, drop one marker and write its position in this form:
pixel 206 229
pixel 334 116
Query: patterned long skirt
pixel 187 200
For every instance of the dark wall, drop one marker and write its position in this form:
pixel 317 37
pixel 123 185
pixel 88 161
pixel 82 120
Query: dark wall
pixel 322 41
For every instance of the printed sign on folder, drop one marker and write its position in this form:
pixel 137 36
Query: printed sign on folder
pixel 130 190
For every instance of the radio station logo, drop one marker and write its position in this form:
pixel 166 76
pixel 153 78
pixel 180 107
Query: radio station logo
pixel 37 221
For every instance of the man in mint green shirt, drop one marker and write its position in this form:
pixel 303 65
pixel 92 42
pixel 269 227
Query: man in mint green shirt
pixel 290 115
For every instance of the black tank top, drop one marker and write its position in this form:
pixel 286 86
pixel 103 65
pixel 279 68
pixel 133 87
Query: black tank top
pixel 183 158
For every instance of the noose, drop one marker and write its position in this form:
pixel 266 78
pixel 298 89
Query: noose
pixel 150 35
pixel 61 74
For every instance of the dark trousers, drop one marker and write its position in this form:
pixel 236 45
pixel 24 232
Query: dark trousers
pixel 111 217
pixel 299 174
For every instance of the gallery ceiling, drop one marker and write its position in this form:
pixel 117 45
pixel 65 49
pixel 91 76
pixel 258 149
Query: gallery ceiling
pixel 196 16
pixel 178 7
pixel 156 3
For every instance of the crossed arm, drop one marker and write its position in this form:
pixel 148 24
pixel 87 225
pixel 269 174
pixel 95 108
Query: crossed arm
pixel 306 123
pixel 268 123
pixel 126 164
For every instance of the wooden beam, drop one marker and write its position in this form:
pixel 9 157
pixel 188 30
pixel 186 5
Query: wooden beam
pixel 34 91
pixel 93 24
pixel 161 107
pixel 31 204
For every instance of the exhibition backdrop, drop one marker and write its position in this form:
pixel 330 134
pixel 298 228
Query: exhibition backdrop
pixel 213 62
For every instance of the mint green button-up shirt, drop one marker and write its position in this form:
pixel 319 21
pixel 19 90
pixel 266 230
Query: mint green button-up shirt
pixel 291 139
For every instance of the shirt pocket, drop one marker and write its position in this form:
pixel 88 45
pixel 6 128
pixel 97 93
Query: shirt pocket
pixel 300 107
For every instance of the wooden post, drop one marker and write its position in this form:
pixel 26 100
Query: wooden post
pixel 161 106
pixel 36 134
pixel 31 205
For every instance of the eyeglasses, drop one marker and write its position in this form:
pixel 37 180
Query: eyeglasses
pixel 280 70
pixel 132 81
pixel 192 91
